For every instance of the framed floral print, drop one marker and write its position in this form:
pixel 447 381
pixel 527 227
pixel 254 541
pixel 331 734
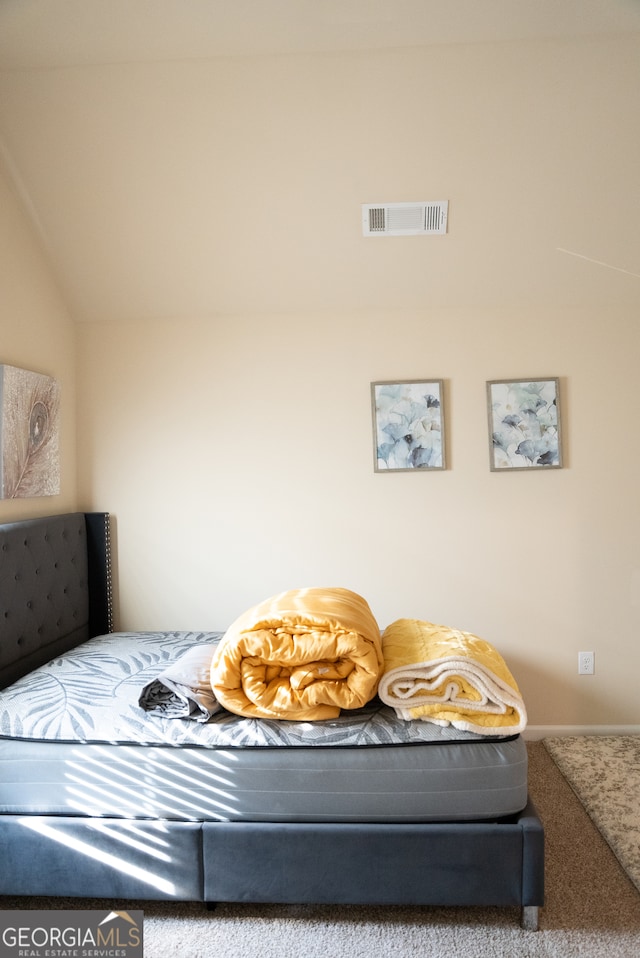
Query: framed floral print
pixel 408 425
pixel 524 424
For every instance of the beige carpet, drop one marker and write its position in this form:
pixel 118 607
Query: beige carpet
pixel 592 910
pixel 604 772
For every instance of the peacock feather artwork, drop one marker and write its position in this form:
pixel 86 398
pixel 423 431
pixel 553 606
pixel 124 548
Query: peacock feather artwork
pixel 29 448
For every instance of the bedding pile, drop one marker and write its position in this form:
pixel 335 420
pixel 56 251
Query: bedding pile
pixel 309 654
pixel 441 675
pixel 304 654
pixel 183 688
pixel 92 694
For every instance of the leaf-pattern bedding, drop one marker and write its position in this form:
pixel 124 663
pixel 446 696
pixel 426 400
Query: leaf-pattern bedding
pixel 91 693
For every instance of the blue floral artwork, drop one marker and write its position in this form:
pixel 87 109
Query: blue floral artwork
pixel 408 425
pixel 524 424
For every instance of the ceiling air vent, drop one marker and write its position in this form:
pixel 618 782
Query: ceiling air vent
pixel 404 219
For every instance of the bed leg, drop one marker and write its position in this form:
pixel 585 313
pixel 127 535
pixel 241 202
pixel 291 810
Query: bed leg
pixel 530 916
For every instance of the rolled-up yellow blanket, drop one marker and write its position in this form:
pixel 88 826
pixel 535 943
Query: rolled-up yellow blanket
pixel 304 654
pixel 442 675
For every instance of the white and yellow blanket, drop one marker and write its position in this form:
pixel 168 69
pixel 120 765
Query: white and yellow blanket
pixel 441 675
pixel 302 655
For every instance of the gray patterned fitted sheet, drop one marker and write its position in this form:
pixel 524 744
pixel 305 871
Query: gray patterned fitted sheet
pixel 91 695
pixel 74 741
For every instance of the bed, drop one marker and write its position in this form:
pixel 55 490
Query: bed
pixel 99 798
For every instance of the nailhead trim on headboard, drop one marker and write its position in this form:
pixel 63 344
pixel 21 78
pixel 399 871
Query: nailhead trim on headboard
pixel 100 572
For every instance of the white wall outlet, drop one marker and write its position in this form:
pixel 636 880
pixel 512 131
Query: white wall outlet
pixel 586 663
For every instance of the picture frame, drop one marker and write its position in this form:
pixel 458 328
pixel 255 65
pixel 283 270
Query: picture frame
pixel 524 424
pixel 29 434
pixel 408 425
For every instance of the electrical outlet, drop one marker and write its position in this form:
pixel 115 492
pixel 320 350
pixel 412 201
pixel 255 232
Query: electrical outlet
pixel 586 663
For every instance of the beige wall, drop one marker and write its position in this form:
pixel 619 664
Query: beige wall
pixel 223 382
pixel 36 333
pixel 237 459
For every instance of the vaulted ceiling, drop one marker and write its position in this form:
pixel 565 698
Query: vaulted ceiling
pixel 116 115
pixel 63 33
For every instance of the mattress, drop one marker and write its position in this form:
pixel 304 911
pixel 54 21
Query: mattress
pixel 75 742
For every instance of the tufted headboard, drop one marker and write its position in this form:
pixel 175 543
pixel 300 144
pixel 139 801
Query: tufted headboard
pixel 55 588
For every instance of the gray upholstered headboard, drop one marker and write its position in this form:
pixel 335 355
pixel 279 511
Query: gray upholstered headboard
pixel 55 588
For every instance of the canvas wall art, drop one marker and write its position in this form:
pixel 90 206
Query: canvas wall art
pixel 524 424
pixel 408 425
pixel 29 447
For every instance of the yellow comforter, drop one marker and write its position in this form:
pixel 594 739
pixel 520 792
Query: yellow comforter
pixel 441 675
pixel 302 655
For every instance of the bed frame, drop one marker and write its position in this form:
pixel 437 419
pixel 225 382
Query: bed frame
pixel 55 592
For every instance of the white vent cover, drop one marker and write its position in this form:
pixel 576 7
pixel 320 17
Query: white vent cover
pixel 404 219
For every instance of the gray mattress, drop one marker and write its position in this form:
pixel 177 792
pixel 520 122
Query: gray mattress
pixel 75 742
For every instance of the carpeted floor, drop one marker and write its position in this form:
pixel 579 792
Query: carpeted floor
pixel 592 909
pixel 604 772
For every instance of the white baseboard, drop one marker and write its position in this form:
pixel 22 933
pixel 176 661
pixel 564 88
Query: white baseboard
pixel 534 732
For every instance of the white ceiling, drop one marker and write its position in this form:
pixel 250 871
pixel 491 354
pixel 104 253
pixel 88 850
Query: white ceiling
pixel 115 131
pixel 50 33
